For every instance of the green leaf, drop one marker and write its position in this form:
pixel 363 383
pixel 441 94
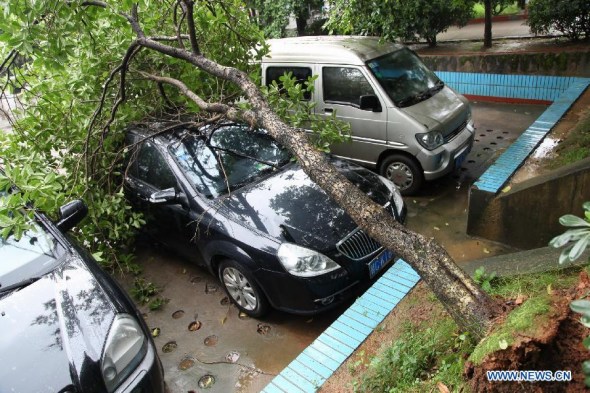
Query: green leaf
pixel 569 220
pixel 586 343
pixel 579 248
pixel 581 306
pixel 586 363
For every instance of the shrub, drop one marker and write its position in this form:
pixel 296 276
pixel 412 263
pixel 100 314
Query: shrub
pixel 571 17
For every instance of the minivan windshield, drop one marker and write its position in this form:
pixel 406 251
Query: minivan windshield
pixel 404 77
pixel 229 157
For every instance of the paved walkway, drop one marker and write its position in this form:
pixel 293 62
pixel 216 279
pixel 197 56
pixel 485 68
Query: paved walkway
pixel 500 29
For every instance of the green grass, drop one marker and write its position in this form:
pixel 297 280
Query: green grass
pixel 422 356
pixel 576 146
pixel 479 11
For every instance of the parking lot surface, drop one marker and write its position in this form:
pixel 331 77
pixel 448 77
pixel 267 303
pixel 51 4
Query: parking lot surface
pixel 206 345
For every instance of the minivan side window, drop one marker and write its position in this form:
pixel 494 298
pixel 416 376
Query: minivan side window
pixel 300 73
pixel 345 85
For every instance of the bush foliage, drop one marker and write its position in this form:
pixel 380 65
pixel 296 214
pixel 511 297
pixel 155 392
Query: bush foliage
pixel 570 17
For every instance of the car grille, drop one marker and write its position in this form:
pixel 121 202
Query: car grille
pixel 357 245
pixel 455 132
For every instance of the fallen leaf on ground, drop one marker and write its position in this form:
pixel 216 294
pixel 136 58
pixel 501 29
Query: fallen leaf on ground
pixel 442 388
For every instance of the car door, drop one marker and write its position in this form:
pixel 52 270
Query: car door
pixel 341 90
pixel 172 222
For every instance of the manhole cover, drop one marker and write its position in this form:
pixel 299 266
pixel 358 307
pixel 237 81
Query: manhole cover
pixel 225 301
pixel 169 346
pixel 186 363
pixel 194 326
pixel 263 329
pixel 206 381
pixel 178 314
pixel 155 332
pixel 232 357
pixel 211 341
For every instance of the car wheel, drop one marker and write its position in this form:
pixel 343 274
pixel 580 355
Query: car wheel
pixel 404 172
pixel 242 289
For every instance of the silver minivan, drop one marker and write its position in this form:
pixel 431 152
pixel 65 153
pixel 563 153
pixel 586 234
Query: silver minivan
pixel 405 122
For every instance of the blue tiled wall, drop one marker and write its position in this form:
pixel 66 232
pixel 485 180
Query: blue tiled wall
pixel 545 88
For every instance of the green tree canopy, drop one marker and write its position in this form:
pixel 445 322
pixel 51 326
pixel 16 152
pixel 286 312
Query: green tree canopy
pixel 403 19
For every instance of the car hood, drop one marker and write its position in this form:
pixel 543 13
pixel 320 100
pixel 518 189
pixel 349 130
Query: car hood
pixel 53 332
pixel 289 206
pixel 443 112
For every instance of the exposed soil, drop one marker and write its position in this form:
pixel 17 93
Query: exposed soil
pixel 557 345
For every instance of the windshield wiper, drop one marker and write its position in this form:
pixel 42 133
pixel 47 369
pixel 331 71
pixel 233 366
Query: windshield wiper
pixel 18 285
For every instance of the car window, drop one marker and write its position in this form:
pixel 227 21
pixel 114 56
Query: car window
pixel 233 157
pixel 151 167
pixel 345 85
pixel 404 77
pixel 302 74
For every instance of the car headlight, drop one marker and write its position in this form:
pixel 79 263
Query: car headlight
pixel 125 347
pixel 303 262
pixel 470 123
pixel 430 140
pixel 394 193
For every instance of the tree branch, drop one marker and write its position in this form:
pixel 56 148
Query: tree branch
pixel 190 22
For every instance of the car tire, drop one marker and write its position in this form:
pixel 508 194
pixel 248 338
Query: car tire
pixel 404 171
pixel 240 286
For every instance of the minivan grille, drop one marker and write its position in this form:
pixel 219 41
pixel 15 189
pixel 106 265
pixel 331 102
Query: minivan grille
pixel 455 132
pixel 358 245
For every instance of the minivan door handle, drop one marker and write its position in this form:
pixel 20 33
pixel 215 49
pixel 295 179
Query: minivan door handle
pixel 328 110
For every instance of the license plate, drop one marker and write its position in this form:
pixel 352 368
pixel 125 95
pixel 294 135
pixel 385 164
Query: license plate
pixel 379 262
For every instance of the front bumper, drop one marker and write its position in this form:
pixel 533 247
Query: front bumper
pixel 446 158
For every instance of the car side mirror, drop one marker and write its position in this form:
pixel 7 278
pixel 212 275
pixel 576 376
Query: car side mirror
pixel 370 103
pixel 71 214
pixel 164 196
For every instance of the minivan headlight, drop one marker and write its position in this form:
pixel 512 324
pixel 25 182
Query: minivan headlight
pixel 303 262
pixel 125 347
pixel 430 140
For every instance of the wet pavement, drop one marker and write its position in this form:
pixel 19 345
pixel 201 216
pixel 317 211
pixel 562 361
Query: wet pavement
pixel 205 345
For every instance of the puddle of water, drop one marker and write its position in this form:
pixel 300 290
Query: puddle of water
pixel 186 363
pixel 225 301
pixel 206 381
pixel 211 288
pixel 169 346
pixel 211 341
pixel 263 329
pixel 178 314
pixel 232 357
pixel 194 326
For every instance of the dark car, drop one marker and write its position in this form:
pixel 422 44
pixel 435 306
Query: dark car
pixel 233 200
pixel 66 325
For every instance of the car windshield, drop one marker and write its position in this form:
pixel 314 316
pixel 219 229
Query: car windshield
pixel 31 255
pixel 404 77
pixel 232 157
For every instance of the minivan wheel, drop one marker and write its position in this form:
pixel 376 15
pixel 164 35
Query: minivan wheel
pixel 242 289
pixel 404 172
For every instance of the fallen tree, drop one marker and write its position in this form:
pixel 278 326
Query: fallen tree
pixel 472 308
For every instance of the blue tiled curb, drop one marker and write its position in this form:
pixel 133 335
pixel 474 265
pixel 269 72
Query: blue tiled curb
pixel 500 172
pixel 318 361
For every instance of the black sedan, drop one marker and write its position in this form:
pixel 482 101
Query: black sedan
pixel 66 325
pixel 233 200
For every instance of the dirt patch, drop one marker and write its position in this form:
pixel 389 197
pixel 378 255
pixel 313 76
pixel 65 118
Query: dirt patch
pixel 557 345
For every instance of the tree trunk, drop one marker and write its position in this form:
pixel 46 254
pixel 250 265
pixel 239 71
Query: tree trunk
pixel 487 33
pixel 469 306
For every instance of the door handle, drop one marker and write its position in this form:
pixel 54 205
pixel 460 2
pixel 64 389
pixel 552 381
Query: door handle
pixel 328 110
